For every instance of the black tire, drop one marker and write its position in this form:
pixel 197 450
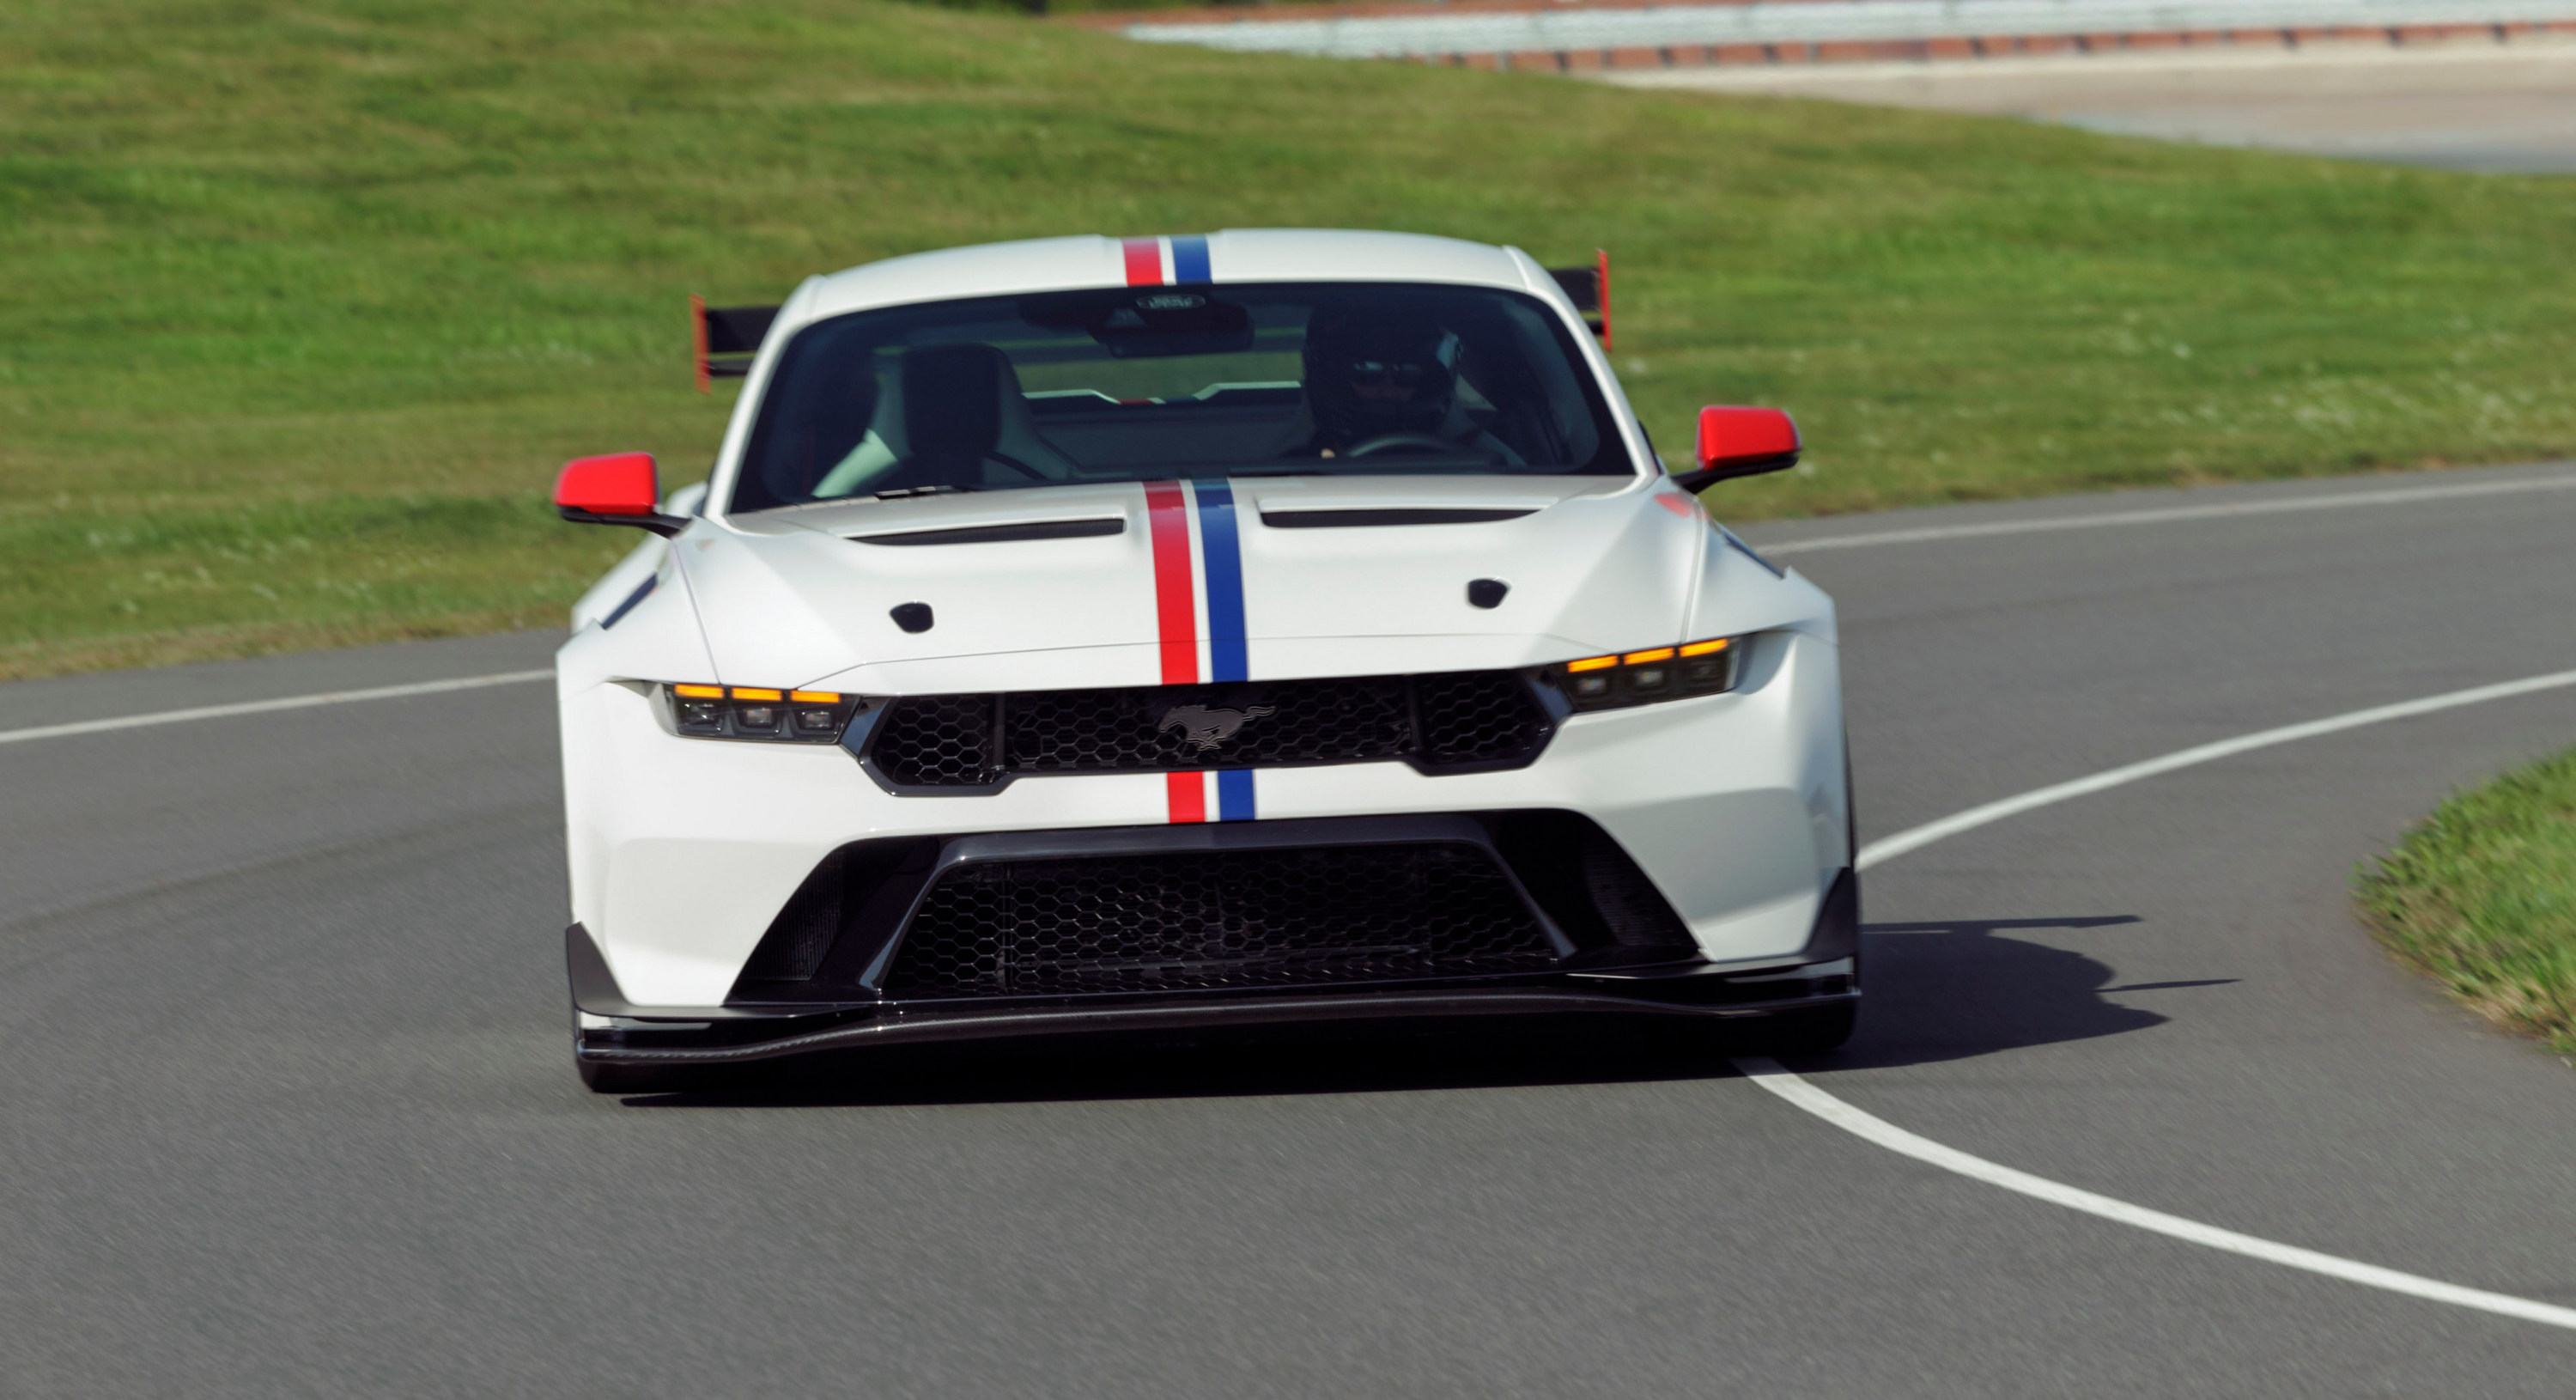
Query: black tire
pixel 1807 1032
pixel 608 1077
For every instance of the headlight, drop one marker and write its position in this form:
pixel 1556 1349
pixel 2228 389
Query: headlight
pixel 752 712
pixel 1643 677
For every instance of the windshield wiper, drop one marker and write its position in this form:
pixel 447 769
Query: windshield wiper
pixel 942 489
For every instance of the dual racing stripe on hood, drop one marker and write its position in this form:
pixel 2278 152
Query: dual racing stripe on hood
pixel 1176 517
pixel 1166 261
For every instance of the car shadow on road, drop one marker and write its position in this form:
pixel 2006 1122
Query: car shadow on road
pixel 1935 991
pixel 1966 987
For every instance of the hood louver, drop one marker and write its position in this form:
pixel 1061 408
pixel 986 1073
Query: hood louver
pixel 1001 534
pixel 1348 519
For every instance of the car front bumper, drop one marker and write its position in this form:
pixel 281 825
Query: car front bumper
pixel 683 851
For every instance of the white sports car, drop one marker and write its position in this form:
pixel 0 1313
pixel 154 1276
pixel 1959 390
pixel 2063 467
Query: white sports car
pixel 1269 625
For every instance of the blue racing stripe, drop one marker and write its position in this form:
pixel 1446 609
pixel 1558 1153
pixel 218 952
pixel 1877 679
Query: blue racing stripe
pixel 1222 551
pixel 1190 258
pixel 1234 795
pixel 1221 561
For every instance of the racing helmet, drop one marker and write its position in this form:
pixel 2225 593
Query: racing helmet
pixel 1377 370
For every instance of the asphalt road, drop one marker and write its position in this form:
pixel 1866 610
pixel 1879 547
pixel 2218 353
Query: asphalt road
pixel 2466 104
pixel 288 1107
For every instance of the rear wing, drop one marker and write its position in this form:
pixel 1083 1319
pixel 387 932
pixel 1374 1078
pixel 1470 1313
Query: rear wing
pixel 724 338
pixel 1589 289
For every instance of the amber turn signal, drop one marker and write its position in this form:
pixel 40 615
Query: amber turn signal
pixel 759 713
pixel 1642 677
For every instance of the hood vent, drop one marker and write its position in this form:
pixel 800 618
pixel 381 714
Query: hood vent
pixel 1003 534
pixel 1347 519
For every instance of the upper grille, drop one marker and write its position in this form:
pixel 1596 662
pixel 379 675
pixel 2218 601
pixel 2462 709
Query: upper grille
pixel 1203 920
pixel 938 741
pixel 1469 719
pixel 1478 717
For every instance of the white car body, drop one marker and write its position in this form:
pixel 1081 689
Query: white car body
pixel 684 851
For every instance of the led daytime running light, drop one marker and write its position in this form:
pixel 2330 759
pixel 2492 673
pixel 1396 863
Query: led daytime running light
pixel 760 714
pixel 1644 677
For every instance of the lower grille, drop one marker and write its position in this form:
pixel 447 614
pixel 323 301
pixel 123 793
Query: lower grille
pixel 1204 920
pixel 1454 722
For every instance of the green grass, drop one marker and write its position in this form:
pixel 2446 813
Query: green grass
pixel 2483 897
pixel 304 302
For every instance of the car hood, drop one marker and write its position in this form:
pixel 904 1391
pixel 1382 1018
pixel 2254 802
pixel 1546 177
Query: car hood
pixel 1066 586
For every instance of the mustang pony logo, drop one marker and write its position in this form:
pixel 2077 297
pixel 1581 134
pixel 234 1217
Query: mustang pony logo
pixel 1203 727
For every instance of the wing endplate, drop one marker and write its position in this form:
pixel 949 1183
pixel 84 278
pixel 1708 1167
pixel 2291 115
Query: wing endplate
pixel 1589 289
pixel 724 338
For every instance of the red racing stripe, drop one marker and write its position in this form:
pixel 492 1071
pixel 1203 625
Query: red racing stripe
pixel 1187 793
pixel 1144 261
pixel 1176 622
pixel 1175 594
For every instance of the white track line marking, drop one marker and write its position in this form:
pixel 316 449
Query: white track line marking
pixel 1895 1139
pixel 261 707
pixel 1795 1090
pixel 1969 820
pixel 2167 515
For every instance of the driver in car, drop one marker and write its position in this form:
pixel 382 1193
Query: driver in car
pixel 1381 383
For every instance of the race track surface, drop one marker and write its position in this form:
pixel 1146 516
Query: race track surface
pixel 289 1109
pixel 2464 104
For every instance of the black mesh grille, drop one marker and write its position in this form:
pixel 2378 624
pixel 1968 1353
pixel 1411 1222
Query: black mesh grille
pixel 1636 913
pixel 1591 887
pixel 1477 717
pixel 1215 919
pixel 1319 721
pixel 1466 719
pixel 937 741
pixel 803 931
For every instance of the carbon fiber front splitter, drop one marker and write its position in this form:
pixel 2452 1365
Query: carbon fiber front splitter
pixel 678 1036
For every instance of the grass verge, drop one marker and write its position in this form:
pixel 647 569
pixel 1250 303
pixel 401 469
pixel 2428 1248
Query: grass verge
pixel 2482 897
pixel 305 301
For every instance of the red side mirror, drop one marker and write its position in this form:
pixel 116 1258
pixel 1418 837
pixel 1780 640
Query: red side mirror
pixel 621 488
pixel 1742 442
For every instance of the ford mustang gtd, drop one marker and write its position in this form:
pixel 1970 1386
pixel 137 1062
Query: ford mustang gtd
pixel 1176 632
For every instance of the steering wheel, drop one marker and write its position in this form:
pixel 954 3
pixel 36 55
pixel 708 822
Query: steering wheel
pixel 1389 442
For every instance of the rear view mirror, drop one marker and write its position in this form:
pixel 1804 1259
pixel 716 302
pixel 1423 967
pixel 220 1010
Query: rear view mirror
pixel 621 488
pixel 1174 323
pixel 1136 323
pixel 1737 442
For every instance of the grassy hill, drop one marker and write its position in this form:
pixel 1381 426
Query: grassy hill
pixel 303 303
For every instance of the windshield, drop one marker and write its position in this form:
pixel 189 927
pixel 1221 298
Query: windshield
pixel 1141 383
